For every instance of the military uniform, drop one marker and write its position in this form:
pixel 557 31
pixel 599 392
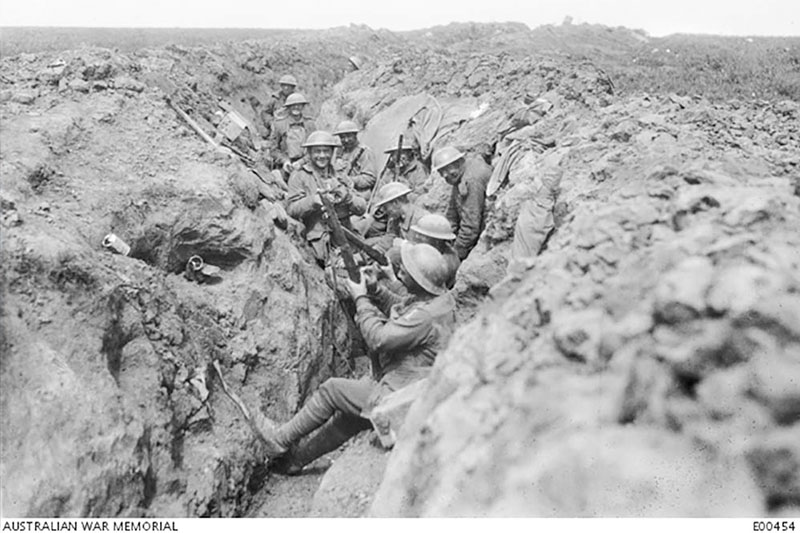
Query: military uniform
pixel 273 110
pixel 359 164
pixel 407 334
pixel 467 202
pixel 287 137
pixel 303 185
pixel 414 175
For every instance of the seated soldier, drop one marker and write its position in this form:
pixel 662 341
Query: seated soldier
pixel 465 212
pixel 355 159
pixel 394 216
pixel 316 177
pixel 405 333
pixel 288 135
pixel 406 169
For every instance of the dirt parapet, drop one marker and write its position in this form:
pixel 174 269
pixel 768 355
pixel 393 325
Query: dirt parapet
pixel 108 389
pixel 661 226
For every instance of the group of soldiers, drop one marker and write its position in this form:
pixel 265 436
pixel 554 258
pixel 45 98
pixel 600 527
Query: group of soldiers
pixel 401 305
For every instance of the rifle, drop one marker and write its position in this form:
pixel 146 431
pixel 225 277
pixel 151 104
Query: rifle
pixel 396 172
pixel 338 237
pixel 397 157
pixel 362 245
pixel 355 161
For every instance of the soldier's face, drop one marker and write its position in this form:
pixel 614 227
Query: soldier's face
pixel 452 172
pixel 349 140
pixel 286 89
pixel 419 238
pixel 320 156
pixel 406 157
pixel 394 208
pixel 296 111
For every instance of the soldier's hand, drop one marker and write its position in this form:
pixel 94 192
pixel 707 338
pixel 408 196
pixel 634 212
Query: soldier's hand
pixel 338 195
pixel 287 167
pixel 388 272
pixel 357 289
pixel 370 277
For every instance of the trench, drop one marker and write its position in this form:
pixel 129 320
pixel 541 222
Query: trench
pixel 268 318
pixel 608 198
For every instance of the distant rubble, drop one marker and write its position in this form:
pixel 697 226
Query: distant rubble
pixel 717 67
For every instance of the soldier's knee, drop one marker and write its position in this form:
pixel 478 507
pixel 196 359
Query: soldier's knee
pixel 329 389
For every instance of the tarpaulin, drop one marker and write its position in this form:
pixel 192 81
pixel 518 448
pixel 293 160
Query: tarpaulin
pixel 423 119
pixel 383 130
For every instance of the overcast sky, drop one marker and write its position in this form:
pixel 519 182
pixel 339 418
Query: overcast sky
pixel 732 17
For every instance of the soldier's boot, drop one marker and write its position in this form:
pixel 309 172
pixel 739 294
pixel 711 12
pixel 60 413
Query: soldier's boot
pixel 313 414
pixel 335 432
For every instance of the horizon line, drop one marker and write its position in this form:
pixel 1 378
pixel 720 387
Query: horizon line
pixel 352 24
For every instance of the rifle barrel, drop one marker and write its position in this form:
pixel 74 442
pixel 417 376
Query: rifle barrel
pixel 361 244
pixel 339 239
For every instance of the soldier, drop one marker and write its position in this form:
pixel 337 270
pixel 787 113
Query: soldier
pixel 435 230
pixel 288 135
pixel 314 177
pixel 410 170
pixel 273 107
pixel 356 160
pixel 469 178
pixel 406 333
pixel 393 217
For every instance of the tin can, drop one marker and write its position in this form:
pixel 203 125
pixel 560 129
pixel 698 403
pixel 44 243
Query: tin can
pixel 116 245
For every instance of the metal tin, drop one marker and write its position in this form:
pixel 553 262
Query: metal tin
pixel 116 245
pixel 231 126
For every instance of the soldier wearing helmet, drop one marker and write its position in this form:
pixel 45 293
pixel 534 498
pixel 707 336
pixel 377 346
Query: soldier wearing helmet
pixel 465 211
pixel 274 106
pixel 393 215
pixel 405 332
pixel 355 159
pixel 410 170
pixel 289 133
pixel 317 176
pixel 435 230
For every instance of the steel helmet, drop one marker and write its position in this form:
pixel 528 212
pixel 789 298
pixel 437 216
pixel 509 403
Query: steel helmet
pixel 321 138
pixel 406 146
pixel 294 99
pixel 426 266
pixel 288 79
pixel 435 226
pixel 391 191
pixel 445 156
pixel 346 126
